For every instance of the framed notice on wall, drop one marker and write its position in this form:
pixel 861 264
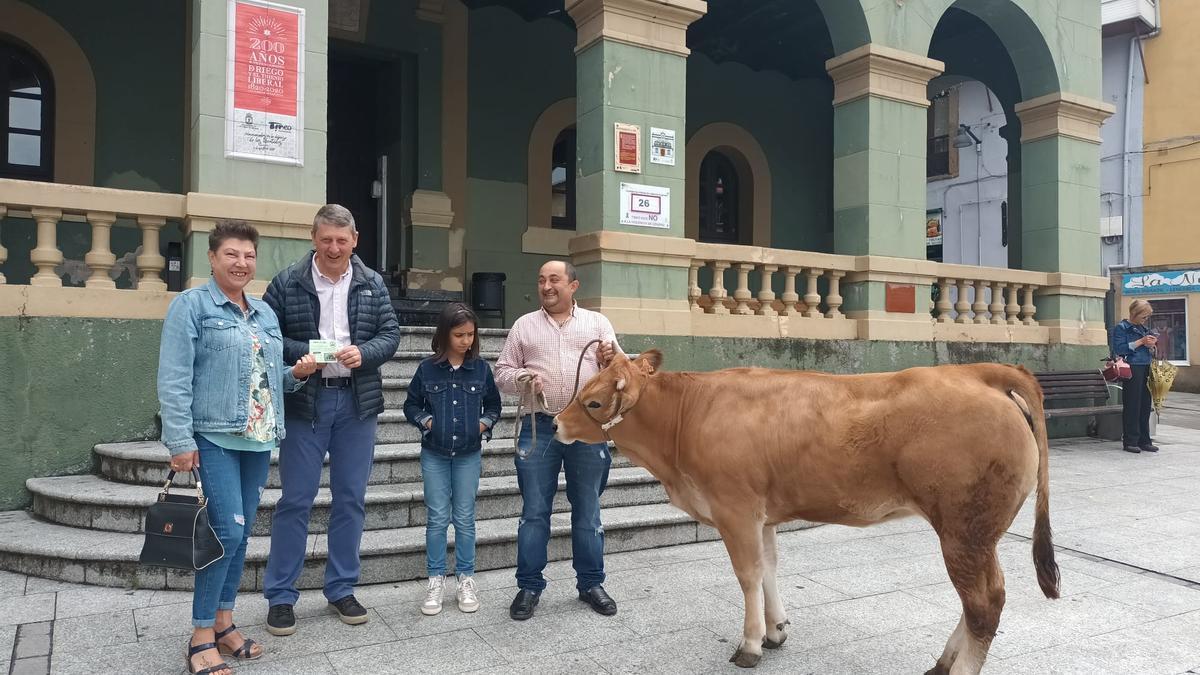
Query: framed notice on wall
pixel 628 141
pixel 645 206
pixel 264 117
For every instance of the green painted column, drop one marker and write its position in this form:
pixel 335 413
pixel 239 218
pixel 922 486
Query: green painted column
pixel 631 70
pixel 879 188
pixel 1060 204
pixel 209 169
pixel 879 127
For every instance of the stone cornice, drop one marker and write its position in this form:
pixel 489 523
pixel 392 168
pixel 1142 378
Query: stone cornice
pixel 882 72
pixel 660 25
pixel 627 247
pixel 1062 114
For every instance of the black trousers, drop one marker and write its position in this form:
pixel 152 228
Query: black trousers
pixel 1136 399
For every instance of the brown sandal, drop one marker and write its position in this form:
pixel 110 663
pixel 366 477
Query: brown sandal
pixel 193 650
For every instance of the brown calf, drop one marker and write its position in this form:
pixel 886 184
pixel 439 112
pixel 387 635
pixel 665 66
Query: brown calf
pixel 745 449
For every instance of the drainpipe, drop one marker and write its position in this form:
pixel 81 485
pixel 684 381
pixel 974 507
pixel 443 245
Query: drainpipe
pixel 1135 47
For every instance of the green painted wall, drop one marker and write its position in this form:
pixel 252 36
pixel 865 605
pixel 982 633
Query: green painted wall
pixel 793 122
pixel 64 392
pixel 516 70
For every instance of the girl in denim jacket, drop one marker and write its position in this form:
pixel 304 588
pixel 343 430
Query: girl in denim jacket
pixel 453 400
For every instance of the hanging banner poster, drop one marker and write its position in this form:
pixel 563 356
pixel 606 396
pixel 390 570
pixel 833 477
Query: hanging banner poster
pixel 628 140
pixel 645 206
pixel 263 111
pixel 1173 281
pixel 662 146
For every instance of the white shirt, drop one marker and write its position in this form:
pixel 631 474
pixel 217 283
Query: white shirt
pixel 334 297
pixel 537 344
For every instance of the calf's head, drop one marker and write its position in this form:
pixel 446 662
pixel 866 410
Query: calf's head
pixel 606 398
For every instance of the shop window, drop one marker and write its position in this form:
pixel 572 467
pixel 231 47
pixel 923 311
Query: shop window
pixel 718 200
pixel 26 115
pixel 562 182
pixel 1170 320
pixel 941 157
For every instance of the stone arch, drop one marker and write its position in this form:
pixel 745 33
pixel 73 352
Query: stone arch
pixel 539 237
pixel 74 112
pixel 754 174
pixel 846 23
pixel 1025 42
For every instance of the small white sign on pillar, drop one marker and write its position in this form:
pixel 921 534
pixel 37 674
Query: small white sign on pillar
pixel 645 206
pixel 662 146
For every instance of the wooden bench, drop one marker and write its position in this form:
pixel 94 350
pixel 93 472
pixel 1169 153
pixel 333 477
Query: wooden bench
pixel 1081 385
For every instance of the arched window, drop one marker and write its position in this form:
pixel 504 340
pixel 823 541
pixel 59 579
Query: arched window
pixel 718 200
pixel 562 181
pixel 26 115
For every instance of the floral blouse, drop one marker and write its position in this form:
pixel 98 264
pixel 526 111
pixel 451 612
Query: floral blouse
pixel 261 425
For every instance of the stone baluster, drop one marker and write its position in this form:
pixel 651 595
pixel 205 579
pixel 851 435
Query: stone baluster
pixel 100 259
pixel 150 263
pixel 1012 308
pixel 766 292
pixel 790 297
pixel 694 285
pixel 811 297
pixel 742 294
pixel 1027 309
pixel 980 307
pixel 46 256
pixel 943 305
pixel 997 306
pixel 3 251
pixel 718 292
pixel 834 298
pixel 962 306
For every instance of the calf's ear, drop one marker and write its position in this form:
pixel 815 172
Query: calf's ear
pixel 650 361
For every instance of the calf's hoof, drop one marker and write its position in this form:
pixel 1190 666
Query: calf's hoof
pixel 938 669
pixel 768 643
pixel 744 659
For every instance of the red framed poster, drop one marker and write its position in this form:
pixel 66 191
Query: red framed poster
pixel 264 93
pixel 628 150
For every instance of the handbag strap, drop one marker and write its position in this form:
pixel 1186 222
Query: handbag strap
pixel 195 475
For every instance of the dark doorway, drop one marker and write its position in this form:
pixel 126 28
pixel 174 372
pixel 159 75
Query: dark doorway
pixel 352 157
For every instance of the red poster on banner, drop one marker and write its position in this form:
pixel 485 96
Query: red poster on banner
pixel 266 44
pixel 266 69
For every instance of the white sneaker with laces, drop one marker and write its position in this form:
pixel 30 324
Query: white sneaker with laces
pixel 433 597
pixel 468 601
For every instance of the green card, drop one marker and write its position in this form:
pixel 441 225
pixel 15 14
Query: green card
pixel 323 350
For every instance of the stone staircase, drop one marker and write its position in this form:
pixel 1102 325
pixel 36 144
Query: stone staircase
pixel 87 529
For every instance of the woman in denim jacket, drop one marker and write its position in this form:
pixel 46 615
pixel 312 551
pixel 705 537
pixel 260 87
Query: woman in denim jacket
pixel 1134 341
pixel 221 379
pixel 453 400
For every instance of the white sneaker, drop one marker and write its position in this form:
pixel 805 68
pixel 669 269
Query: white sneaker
pixel 433 597
pixel 468 601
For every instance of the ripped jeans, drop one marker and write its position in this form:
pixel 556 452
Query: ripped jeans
pixel 586 467
pixel 233 481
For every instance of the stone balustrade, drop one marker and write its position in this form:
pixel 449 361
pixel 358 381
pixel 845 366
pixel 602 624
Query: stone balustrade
pixel 49 204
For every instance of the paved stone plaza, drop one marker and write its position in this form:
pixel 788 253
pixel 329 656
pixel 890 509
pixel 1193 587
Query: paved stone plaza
pixel 861 601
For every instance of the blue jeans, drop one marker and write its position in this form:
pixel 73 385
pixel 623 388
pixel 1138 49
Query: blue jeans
pixel 586 466
pixel 350 443
pixel 450 487
pixel 233 481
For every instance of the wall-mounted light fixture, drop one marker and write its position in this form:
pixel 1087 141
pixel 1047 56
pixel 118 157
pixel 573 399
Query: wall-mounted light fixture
pixel 965 137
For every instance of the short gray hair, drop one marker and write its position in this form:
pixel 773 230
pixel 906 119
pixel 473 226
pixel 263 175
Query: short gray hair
pixel 336 215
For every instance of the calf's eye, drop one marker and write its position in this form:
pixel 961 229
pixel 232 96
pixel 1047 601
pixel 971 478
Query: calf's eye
pixel 594 404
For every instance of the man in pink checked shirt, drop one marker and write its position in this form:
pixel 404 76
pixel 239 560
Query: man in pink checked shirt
pixel 545 345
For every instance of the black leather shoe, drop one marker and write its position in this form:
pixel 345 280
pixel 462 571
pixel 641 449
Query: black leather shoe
pixel 599 600
pixel 281 620
pixel 350 611
pixel 1132 448
pixel 522 605
pixel 1148 447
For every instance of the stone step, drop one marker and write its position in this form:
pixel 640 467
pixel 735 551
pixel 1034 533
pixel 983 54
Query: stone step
pixel 145 463
pixel 395 390
pixel 29 545
pixel 404 363
pixel 419 339
pixel 94 503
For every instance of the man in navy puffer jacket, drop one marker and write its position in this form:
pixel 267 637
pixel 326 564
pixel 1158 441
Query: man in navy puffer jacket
pixel 328 295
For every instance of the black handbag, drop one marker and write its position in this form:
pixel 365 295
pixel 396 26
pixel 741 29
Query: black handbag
pixel 178 534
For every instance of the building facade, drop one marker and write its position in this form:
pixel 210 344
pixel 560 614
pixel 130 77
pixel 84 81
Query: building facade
pixel 737 182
